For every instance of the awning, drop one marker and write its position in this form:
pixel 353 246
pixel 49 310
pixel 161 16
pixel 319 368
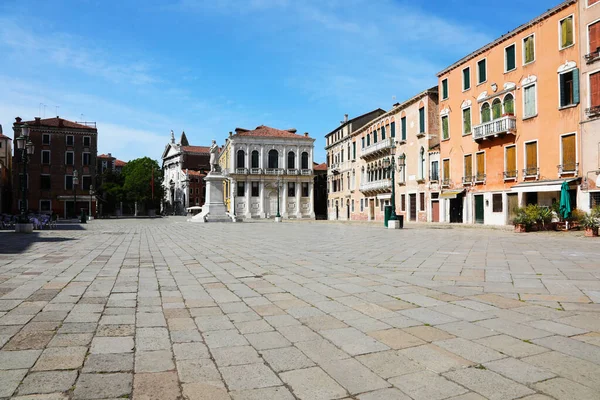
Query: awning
pixel 553 185
pixel 451 194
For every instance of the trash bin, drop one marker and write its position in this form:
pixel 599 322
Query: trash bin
pixel 83 218
pixel 387 214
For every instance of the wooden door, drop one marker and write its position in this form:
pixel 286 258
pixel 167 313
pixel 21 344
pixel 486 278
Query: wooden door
pixel 479 213
pixel 371 209
pixel 413 206
pixel 435 211
pixel 513 203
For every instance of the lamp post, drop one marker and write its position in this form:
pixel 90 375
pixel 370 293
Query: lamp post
pixel 75 183
pixel 390 164
pixel 25 146
pixel 90 205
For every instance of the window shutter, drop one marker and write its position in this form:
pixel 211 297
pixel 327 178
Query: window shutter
pixel 468 166
pixel 511 159
pixel 510 58
pixel 446 169
pixel 445 127
pixel 466 120
pixel 480 164
pixel 403 128
pixel 594 35
pixel 393 129
pixel 421 120
pixel 383 133
pixel 576 86
pixel 531 153
pixel 569 24
pixel 568 153
pixel 595 89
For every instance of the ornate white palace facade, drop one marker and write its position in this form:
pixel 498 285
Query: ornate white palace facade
pixel 269 169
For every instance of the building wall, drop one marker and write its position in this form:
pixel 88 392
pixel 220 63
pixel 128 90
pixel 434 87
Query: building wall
pixel 590 124
pixel 547 127
pixel 58 195
pixel 5 173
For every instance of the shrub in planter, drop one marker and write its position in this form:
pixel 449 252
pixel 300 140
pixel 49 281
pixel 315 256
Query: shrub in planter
pixel 590 223
pixel 522 222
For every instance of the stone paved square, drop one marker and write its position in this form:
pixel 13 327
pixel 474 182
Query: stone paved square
pixel 308 310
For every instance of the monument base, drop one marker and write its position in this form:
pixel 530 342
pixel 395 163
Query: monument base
pixel 214 209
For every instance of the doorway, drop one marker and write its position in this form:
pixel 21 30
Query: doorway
pixel 479 211
pixel 272 212
pixel 371 209
pixel 412 198
pixel 513 203
pixel 348 210
pixel 435 211
pixel 456 209
pixel 337 211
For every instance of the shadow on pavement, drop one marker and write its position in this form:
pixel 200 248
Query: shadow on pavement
pixel 15 243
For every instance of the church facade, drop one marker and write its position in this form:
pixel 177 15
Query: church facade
pixel 184 168
pixel 269 171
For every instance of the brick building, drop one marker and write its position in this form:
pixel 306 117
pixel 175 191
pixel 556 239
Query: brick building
pixel 5 172
pixel 62 149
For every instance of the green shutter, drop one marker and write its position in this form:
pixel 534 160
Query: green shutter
pixel 393 129
pixel 482 71
pixel 445 89
pixel 576 86
pixel 445 127
pixel 466 79
pixel 421 120
pixel 510 58
pixel 383 133
pixel 404 128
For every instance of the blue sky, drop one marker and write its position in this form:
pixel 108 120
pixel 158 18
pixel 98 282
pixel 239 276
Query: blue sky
pixel 142 68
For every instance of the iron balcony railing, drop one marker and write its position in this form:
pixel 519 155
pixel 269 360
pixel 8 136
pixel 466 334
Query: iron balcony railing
pixel 531 172
pixel 434 176
pixel 508 175
pixel 506 124
pixel 479 178
pixel 468 180
pixel 446 182
pixel 592 57
pixel 377 148
pixel 592 111
pixel 568 168
pixel 380 185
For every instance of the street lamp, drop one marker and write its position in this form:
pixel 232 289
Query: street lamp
pixel 75 183
pixel 390 164
pixel 278 216
pixel 90 205
pixel 26 148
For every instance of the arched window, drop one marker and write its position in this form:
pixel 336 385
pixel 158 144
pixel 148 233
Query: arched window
pixel 496 109
pixel 255 159
pixel 509 104
pixel 304 160
pixel 291 160
pixel 368 139
pixel 241 159
pixel 485 113
pixel 273 159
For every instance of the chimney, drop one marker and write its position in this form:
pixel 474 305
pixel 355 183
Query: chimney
pixel 109 155
pixel 305 134
pixel 345 118
pixel 292 130
pixel 37 120
pixel 0 129
pixel 18 119
pixel 230 133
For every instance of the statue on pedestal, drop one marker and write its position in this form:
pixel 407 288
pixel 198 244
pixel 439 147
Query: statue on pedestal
pixel 214 153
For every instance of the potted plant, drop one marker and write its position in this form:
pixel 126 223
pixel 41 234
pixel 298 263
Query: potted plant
pixel 522 222
pixel 590 224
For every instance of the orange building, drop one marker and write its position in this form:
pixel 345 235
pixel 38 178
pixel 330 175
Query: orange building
pixel 509 118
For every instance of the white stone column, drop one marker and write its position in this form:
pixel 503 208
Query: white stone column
pixel 232 191
pixel 262 164
pixel 298 201
pixel 247 163
pixel 248 192
pixel 261 198
pixel 232 159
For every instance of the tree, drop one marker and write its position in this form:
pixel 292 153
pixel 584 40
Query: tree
pixel 142 182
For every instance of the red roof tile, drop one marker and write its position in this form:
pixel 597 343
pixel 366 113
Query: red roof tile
pixel 320 167
pixel 192 172
pixel 195 149
pixel 266 131
pixel 58 123
pixel 105 156
pixel 119 163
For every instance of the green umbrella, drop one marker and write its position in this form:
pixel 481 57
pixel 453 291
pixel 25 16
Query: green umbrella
pixel 565 201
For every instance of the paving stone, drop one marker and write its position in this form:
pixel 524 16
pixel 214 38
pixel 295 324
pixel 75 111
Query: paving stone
pixel 147 320
pixel 389 364
pixel 435 358
pixel 511 346
pixel 117 320
pixel 298 334
pixel 267 340
pixel 519 371
pixel 60 358
pixel 216 339
pixel 190 351
pixel 312 384
pixel 428 333
pixel 108 363
pixel 25 340
pixel 426 385
pixel 21 359
pixel 214 323
pixel 48 382
pixel 569 367
pixel 203 391
pixel 353 376
pixel 324 322
pixel 396 338
pixel 286 359
pixel 427 316
pixel 251 376
pixel 156 386
pixel 9 380
pixel 572 347
pixel 154 361
pixel 88 327
pixel 353 341
pixel 238 355
pixel 108 345
pixel 489 384
pixel 116 330
pixel 71 339
pixel 513 329
pixel 384 394
pixel 148 339
pixel 199 371
pixel 102 386
pixel 271 393
pixel 48 396
pixel 565 389
pixel 556 328
pixel 469 350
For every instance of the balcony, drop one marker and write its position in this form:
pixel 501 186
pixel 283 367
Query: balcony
pixel 434 177
pixel 241 171
pixel 255 171
pixel 592 57
pixel 479 178
pixel 274 171
pixel 380 186
pixel 468 180
pixel 495 128
pixel 531 172
pixel 568 168
pixel 292 171
pixel 510 175
pixel 306 172
pixel 593 112
pixel 378 149
pixel 446 182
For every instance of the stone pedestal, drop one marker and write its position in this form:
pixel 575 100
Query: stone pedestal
pixel 214 209
pixel 393 224
pixel 24 228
